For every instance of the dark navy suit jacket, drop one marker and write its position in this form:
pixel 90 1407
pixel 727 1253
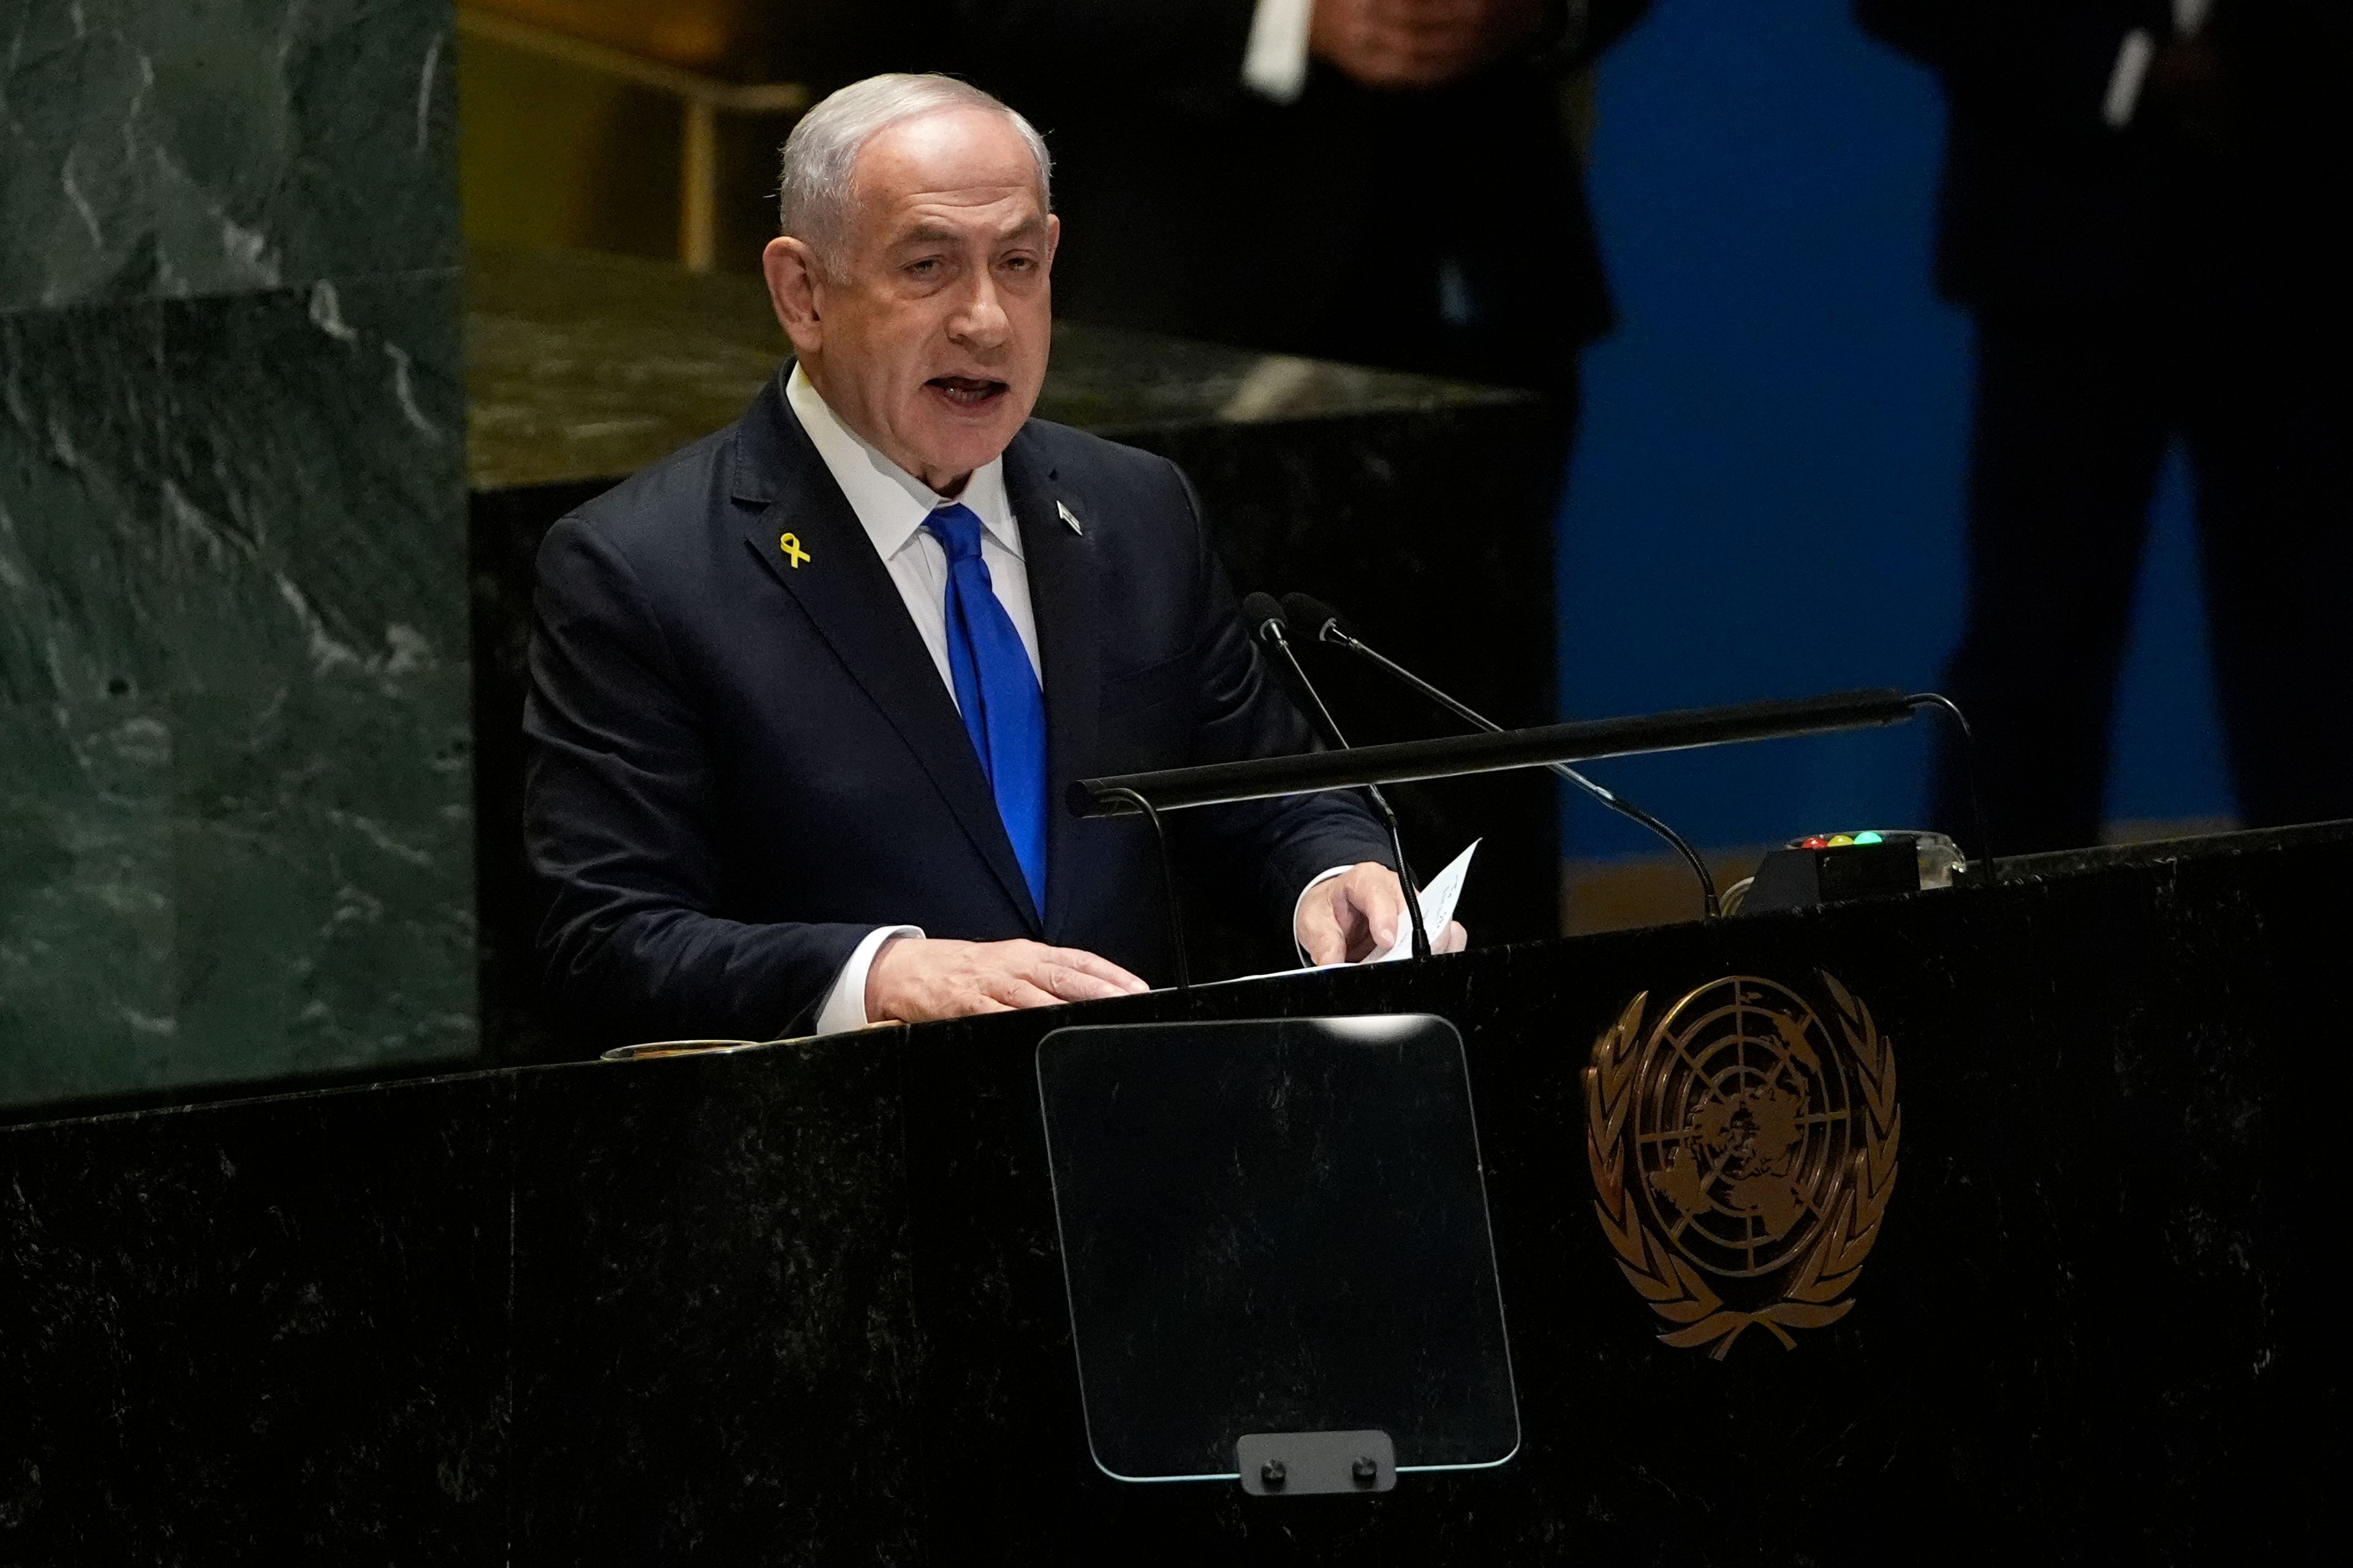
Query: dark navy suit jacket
pixel 738 765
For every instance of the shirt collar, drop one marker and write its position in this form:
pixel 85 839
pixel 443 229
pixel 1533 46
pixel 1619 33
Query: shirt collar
pixel 890 503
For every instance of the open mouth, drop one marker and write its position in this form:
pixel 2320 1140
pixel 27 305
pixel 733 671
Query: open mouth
pixel 967 392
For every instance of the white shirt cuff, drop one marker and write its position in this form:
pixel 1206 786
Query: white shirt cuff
pixel 2125 79
pixel 1274 65
pixel 845 1004
pixel 1313 883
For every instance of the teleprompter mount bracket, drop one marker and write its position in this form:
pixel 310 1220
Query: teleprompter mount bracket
pixel 1304 1464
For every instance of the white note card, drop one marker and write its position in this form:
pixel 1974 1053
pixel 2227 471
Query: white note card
pixel 1438 902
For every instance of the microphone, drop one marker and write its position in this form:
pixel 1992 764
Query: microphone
pixel 1330 628
pixel 1265 619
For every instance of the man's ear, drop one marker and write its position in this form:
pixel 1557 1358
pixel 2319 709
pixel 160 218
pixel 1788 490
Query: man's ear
pixel 1053 237
pixel 793 290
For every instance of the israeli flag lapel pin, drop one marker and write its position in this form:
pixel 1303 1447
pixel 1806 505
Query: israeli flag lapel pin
pixel 1071 518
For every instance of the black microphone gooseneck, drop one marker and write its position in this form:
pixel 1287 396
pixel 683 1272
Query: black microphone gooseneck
pixel 1265 619
pixel 1952 711
pixel 1329 627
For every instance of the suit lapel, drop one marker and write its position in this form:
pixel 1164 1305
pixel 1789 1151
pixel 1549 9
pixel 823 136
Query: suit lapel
pixel 1062 565
pixel 847 592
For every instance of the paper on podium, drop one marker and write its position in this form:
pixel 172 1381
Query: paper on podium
pixel 1438 902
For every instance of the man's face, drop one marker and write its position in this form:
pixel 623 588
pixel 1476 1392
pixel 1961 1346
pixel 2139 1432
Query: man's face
pixel 929 336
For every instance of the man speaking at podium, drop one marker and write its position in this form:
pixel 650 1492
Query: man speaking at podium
pixel 806 696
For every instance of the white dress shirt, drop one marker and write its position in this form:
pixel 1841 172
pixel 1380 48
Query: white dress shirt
pixel 892 505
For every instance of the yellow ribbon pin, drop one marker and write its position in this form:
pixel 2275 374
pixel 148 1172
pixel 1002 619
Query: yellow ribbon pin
pixel 791 545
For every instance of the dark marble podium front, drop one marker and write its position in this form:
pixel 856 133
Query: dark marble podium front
pixel 803 1303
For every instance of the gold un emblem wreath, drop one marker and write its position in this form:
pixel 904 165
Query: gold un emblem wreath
pixel 1742 1157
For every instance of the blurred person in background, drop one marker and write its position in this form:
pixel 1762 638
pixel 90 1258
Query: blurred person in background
pixel 2143 209
pixel 1386 182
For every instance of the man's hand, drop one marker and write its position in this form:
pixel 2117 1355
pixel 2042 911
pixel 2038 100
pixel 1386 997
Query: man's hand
pixel 1350 917
pixel 914 979
pixel 1406 44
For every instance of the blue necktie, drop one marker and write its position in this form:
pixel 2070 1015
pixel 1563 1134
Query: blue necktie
pixel 1004 711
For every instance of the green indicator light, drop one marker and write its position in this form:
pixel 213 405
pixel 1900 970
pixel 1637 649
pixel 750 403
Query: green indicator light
pixel 1869 838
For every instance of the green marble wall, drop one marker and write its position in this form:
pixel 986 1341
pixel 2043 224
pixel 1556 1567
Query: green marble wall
pixel 235 836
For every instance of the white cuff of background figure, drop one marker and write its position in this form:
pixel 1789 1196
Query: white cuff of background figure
pixel 1274 65
pixel 1313 883
pixel 2133 57
pixel 2125 79
pixel 845 1004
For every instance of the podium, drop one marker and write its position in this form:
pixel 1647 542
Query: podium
pixel 1278 1251
pixel 2056 1151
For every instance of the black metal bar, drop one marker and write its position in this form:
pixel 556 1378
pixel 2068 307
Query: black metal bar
pixel 1168 890
pixel 1262 778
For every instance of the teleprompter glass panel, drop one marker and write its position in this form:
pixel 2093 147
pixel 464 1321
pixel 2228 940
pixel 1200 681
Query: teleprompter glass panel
pixel 1275 1226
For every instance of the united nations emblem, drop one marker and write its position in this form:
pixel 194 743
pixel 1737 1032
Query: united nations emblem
pixel 1742 1156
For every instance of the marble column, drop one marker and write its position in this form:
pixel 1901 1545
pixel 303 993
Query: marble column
pixel 235 771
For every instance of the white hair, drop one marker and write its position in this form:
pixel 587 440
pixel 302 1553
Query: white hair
pixel 820 156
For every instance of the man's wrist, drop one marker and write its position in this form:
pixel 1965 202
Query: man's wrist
pixel 1300 904
pixel 845 1006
